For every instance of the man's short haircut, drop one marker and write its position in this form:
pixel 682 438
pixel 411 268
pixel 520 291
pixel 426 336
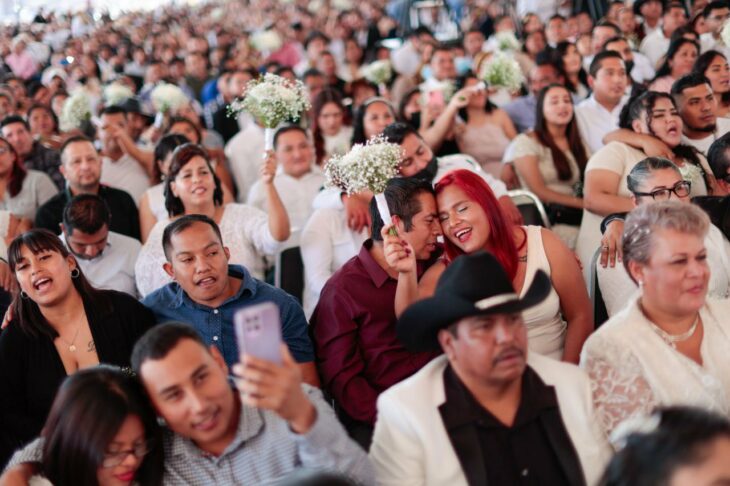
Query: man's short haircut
pixel 398 131
pixel 10 119
pixel 314 36
pixel 114 110
pixel 442 47
pixel 73 139
pixel 312 72
pixel 183 223
pixel 609 24
pixel 616 38
pixel 286 129
pixel 688 81
pixel 159 340
pixel 718 156
pixel 87 213
pixel 556 16
pixel 715 5
pixel 401 195
pixel 597 62
pixel 670 5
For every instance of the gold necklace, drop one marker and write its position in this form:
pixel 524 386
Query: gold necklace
pixel 673 339
pixel 71 345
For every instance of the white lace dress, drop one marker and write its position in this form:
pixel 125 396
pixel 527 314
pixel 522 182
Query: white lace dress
pixel 632 370
pixel 245 232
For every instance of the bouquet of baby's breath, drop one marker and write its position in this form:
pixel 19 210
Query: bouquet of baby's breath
pixel 272 100
pixel 366 167
pixel 116 93
pixel 725 34
pixel 166 97
pixel 379 72
pixel 76 112
pixel 507 41
pixel 501 71
pixel 266 41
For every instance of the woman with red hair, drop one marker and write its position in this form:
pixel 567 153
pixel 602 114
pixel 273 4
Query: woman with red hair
pixel 472 220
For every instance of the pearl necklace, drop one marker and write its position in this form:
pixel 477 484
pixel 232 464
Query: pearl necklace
pixel 673 339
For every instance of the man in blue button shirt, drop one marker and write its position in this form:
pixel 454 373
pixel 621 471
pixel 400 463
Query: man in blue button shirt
pixel 207 291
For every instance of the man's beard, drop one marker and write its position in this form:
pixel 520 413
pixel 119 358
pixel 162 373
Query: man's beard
pixel 428 173
pixel 706 129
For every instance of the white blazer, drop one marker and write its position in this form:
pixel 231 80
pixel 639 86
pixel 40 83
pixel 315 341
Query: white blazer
pixel 411 445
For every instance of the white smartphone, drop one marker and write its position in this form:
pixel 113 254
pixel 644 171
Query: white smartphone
pixel 258 331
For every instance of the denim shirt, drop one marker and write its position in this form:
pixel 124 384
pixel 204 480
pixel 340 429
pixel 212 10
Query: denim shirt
pixel 215 325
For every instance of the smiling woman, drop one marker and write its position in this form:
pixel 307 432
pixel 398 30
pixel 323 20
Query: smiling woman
pixel 61 324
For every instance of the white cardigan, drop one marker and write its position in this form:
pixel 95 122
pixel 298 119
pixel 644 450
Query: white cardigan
pixel 411 445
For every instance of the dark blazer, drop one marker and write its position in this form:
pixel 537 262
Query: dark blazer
pixel 31 371
pixel 718 209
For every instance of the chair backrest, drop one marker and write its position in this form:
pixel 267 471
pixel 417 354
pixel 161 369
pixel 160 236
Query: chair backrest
pixel 600 314
pixel 533 212
pixel 289 272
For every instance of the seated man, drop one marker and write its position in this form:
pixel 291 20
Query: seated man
pixel 81 167
pixel 298 179
pixel 353 325
pixel 485 413
pixel 217 436
pixel 207 291
pixel 106 258
pixel 32 153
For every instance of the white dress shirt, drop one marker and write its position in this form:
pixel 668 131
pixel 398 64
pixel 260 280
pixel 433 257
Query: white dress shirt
pixel 326 244
pixel 296 194
pixel 654 46
pixel 245 153
pixel 595 121
pixel 114 268
pixel 642 71
pixel 126 174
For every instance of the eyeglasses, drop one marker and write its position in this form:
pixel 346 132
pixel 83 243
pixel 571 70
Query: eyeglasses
pixel 113 459
pixel 681 189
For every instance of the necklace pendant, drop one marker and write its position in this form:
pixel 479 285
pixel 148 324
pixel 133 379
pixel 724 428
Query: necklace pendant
pixel 72 348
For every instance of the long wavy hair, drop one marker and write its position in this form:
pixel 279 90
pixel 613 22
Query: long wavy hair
pixel 180 157
pixel 702 64
pixel 358 123
pixel 575 143
pixel 17 173
pixel 501 240
pixel 665 69
pixel 89 409
pixel 322 99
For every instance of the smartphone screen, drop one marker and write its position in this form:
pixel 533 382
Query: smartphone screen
pixel 258 331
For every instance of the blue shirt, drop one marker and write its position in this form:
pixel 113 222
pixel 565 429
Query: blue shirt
pixel 215 325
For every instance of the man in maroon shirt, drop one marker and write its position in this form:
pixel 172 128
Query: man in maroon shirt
pixel 358 353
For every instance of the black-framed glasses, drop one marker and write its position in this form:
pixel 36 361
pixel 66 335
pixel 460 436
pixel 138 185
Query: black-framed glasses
pixel 680 189
pixel 113 459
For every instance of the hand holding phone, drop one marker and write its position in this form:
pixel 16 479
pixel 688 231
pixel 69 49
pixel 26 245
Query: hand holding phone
pixel 258 331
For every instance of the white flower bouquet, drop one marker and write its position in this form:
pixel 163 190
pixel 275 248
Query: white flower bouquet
pixel 447 89
pixel 502 71
pixel 116 93
pixel 507 41
pixel 166 97
pixel 76 112
pixel 379 72
pixel 366 167
pixel 725 33
pixel 272 100
pixel 266 41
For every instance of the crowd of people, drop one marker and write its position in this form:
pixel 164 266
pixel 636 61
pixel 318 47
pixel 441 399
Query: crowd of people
pixel 463 342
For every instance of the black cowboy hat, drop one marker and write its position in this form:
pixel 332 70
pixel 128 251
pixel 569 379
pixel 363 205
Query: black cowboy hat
pixel 472 285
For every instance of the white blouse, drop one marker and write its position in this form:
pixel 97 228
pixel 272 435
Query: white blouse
pixel 245 232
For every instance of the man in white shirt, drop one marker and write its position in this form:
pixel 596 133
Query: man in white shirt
pixel 407 58
pixel 298 180
pixel 555 30
pixel 650 12
pixel 697 106
pixel 636 63
pixel 655 45
pixel 715 14
pixel 106 258
pixel 602 32
pixel 243 152
pixel 118 168
pixel 598 114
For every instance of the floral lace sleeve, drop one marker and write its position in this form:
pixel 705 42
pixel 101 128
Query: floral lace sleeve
pixel 619 388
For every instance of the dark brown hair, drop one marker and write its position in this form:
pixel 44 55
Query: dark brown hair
pixel 17 173
pixel 27 313
pixel 180 157
pixel 320 101
pixel 89 409
pixel 560 160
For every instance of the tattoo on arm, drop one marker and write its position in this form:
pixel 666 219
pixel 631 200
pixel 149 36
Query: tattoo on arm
pixel 91 347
